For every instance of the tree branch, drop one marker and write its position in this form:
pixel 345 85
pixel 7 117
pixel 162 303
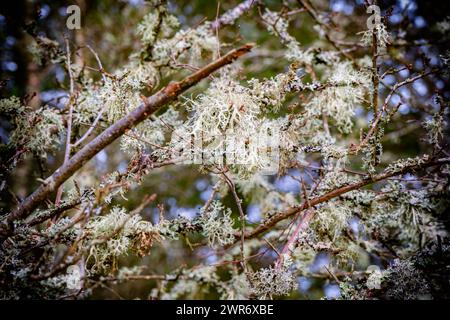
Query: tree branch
pixel 142 112
pixel 336 193
pixel 229 17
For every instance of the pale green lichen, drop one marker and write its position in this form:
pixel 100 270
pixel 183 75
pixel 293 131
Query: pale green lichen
pixel 273 281
pixel 37 131
pixel 115 234
pixel 217 225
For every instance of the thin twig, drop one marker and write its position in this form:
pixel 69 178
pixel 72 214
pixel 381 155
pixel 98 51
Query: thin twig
pixel 70 104
pixel 242 217
pixel 97 119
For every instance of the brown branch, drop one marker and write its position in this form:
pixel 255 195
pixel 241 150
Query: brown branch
pixel 336 193
pixel 142 112
pixel 148 277
pixel 54 212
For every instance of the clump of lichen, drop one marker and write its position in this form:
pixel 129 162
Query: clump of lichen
pixel 422 276
pixel 217 225
pixel 36 131
pixel 273 281
pixel 115 234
